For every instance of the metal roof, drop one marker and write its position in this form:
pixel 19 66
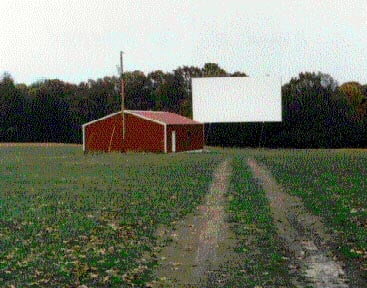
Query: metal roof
pixel 164 117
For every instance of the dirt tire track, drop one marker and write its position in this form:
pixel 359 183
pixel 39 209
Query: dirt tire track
pixel 201 242
pixel 303 235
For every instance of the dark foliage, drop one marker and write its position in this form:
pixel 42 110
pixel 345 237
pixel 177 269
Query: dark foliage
pixel 317 113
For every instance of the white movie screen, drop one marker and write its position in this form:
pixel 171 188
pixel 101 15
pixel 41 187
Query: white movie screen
pixel 237 99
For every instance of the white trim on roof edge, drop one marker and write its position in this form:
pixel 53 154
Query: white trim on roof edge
pixel 134 112
pixel 152 111
pixel 145 118
pixel 99 119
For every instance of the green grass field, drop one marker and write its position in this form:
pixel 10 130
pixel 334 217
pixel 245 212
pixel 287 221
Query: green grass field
pixel 68 219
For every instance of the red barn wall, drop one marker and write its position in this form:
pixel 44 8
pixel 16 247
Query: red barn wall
pixel 195 141
pixel 143 135
pixel 104 135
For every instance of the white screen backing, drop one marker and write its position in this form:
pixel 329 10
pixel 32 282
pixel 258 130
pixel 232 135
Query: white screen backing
pixel 236 99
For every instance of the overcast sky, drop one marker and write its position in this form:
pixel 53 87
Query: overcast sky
pixel 78 40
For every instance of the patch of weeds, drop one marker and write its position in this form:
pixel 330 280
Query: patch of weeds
pixel 262 263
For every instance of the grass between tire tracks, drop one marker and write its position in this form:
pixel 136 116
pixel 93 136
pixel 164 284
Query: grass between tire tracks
pixel 67 219
pixel 262 258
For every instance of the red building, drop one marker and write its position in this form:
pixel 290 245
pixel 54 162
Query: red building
pixel 148 131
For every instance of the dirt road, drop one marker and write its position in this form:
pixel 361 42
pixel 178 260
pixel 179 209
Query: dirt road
pixel 303 235
pixel 201 242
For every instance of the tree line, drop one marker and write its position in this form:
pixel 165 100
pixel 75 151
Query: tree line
pixel 317 111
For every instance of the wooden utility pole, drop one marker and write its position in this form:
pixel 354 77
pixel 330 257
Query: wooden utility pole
pixel 122 96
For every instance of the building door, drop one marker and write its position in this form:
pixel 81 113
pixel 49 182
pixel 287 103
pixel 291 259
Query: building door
pixel 173 141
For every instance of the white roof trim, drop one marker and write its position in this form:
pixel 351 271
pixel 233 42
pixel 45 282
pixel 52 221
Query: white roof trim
pixel 150 111
pixel 105 117
pixel 135 113
pixel 145 118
